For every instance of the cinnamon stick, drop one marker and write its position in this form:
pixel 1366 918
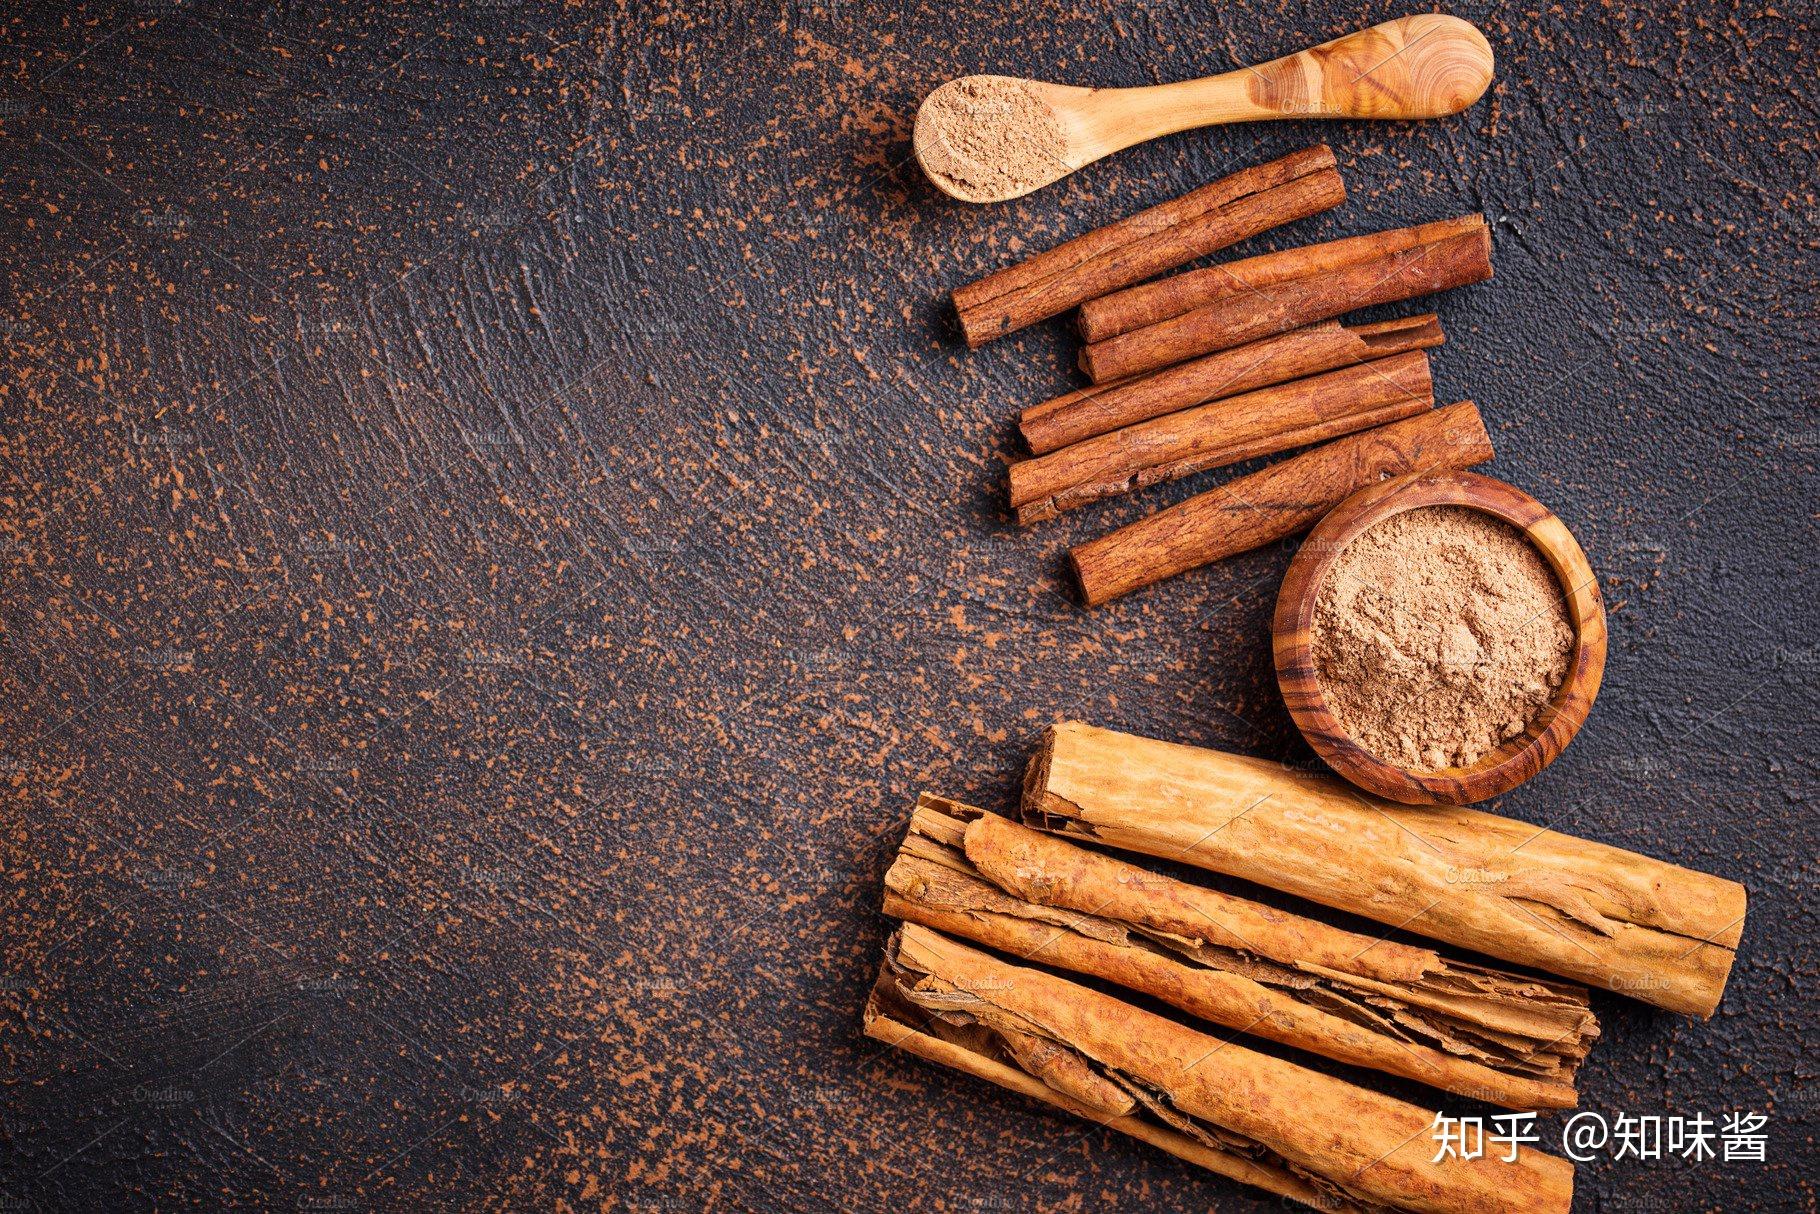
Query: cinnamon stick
pixel 1452 262
pixel 1285 498
pixel 1102 408
pixel 1324 1140
pixel 1516 891
pixel 972 1050
pixel 1139 246
pixel 1135 307
pixel 1407 1011
pixel 1269 420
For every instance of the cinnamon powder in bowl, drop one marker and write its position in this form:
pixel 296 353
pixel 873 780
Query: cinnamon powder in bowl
pixel 1438 634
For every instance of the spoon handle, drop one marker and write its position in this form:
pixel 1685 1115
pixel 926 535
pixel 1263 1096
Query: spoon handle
pixel 1425 66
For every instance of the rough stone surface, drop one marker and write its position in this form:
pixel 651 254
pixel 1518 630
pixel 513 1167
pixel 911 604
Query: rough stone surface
pixel 499 526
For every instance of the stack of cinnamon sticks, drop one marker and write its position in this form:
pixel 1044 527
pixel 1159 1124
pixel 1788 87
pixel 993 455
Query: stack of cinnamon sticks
pixel 1057 932
pixel 1213 366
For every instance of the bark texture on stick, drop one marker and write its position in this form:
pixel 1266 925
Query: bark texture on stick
pixel 1224 432
pixel 1140 246
pixel 1456 261
pixel 1135 307
pixel 1351 1147
pixel 1513 890
pixel 1407 1011
pixel 1286 498
pixel 893 1020
pixel 1103 408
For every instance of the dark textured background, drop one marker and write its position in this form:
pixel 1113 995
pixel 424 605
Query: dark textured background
pixel 498 526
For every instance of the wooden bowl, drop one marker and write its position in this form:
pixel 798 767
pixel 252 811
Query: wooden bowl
pixel 1517 759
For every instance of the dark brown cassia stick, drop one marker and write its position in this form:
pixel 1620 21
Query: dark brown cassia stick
pixel 1135 307
pixel 1288 497
pixel 1264 422
pixel 1103 408
pixel 1402 1009
pixel 1454 262
pixel 1140 246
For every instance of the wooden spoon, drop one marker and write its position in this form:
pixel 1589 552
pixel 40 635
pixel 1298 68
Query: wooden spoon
pixel 994 138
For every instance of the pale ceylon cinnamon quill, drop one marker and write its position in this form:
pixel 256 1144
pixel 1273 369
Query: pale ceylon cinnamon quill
pixel 979 1052
pixel 1471 1030
pixel 1309 1135
pixel 1519 892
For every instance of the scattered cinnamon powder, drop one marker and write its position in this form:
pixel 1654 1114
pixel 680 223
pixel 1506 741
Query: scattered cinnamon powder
pixel 1438 634
pixel 988 136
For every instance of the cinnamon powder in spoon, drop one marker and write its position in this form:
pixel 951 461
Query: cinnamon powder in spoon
pixel 1438 634
pixel 989 136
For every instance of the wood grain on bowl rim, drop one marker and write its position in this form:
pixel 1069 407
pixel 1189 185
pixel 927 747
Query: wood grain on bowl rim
pixel 1511 763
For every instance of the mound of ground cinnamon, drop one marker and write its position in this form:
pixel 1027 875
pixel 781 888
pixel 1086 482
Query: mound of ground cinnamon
pixel 988 136
pixel 1438 634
